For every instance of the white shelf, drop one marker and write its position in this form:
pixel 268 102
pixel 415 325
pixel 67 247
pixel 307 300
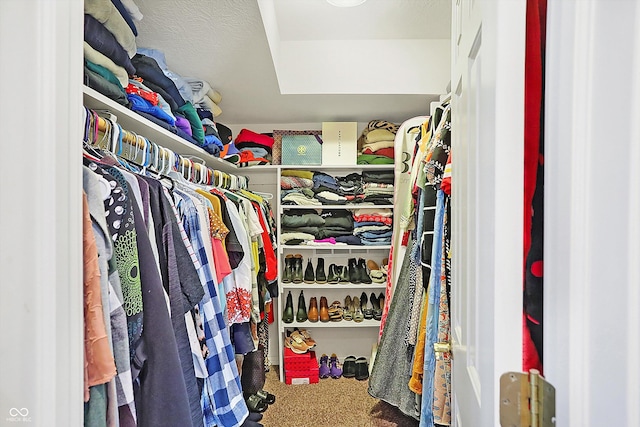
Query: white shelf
pixel 334 247
pixel 337 286
pixel 347 206
pixel 367 323
pixel 133 122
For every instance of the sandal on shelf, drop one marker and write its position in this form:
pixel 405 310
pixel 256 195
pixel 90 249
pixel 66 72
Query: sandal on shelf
pixel 335 311
pixel 347 313
pixel 267 397
pixel 358 316
pixel 323 370
pixel 255 404
pixel 377 276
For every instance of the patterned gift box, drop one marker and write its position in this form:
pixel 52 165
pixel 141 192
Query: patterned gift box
pixel 303 147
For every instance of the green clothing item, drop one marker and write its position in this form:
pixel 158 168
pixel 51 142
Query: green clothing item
pixel 190 113
pixel 304 220
pixel 372 159
pixel 108 75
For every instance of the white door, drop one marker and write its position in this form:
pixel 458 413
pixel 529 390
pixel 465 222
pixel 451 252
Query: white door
pixel 592 212
pixel 487 85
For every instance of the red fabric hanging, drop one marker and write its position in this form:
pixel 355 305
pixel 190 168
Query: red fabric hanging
pixel 533 149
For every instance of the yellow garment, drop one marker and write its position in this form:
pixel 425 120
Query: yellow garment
pixel 415 382
pixel 298 173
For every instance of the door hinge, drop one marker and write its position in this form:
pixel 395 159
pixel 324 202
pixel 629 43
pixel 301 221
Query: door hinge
pixel 526 400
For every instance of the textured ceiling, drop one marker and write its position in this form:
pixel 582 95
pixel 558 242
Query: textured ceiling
pixel 224 43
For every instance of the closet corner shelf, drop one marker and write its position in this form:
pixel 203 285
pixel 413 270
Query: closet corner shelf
pixel 347 206
pixel 335 247
pixel 338 286
pixel 367 323
pixel 133 122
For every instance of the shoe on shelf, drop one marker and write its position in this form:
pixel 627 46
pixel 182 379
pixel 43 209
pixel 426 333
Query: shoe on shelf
pixel 363 274
pixel 362 369
pixel 375 303
pixel 287 315
pixel 381 300
pixel 377 276
pixel 335 368
pixel 332 277
pixel 367 311
pixel 320 276
pixel 313 314
pixel 349 367
pixel 306 337
pixel 324 310
pixel 354 275
pixel 301 314
pixel 358 315
pixel 295 342
pixel 347 311
pixel 335 311
pixel 297 269
pixel 323 368
pixel 287 272
pixel 372 265
pixel 343 273
pixel 309 276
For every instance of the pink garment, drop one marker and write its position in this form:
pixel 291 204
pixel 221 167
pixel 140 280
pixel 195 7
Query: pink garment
pixel 220 260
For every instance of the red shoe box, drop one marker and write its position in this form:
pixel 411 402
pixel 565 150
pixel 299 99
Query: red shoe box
pixel 299 362
pixel 310 376
pixel 300 368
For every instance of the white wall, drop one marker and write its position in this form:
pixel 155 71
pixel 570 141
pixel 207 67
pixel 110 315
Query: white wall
pixel 41 318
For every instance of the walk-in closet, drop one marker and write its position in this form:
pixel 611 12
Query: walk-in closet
pixel 318 212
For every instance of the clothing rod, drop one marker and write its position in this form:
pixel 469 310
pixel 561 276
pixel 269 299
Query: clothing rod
pixel 183 164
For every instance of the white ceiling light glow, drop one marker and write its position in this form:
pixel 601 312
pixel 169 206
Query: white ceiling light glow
pixel 345 3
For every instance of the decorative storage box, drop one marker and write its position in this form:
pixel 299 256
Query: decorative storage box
pixel 340 143
pixel 301 147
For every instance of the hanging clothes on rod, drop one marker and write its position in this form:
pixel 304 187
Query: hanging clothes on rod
pixel 172 281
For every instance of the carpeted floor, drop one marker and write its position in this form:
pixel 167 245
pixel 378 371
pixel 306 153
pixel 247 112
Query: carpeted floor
pixel 330 403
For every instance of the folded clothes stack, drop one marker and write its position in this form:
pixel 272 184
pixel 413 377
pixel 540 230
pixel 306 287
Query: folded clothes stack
pixel 254 148
pixel 376 143
pixel 373 226
pixel 307 226
pixel 297 188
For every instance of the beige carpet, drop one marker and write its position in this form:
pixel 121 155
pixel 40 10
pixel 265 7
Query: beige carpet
pixel 330 403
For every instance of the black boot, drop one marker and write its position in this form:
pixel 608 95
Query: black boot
pixel 320 276
pixel 343 273
pixel 354 276
pixel 287 315
pixel 301 315
pixel 288 271
pixel 332 277
pixel 297 269
pixel 363 274
pixel 309 277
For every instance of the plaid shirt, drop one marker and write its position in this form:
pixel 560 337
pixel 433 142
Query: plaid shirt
pixel 222 400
